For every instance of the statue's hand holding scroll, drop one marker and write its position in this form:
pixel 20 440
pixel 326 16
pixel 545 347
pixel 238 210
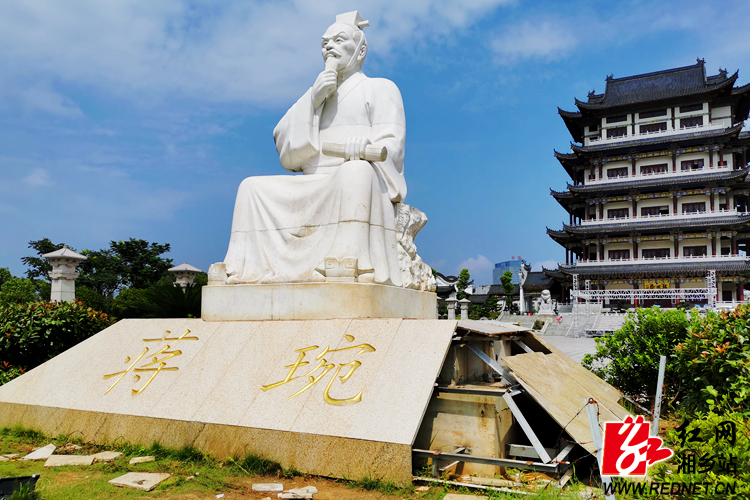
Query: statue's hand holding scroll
pixel 368 152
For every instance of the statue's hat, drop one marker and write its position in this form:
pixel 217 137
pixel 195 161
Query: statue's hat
pixel 352 18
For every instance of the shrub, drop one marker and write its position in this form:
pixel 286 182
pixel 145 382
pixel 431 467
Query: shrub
pixel 714 453
pixel 32 333
pixel 714 361
pixel 629 358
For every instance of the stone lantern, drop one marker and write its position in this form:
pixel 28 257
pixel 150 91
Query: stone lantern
pixel 451 303
pixel 185 274
pixel 63 274
pixel 464 308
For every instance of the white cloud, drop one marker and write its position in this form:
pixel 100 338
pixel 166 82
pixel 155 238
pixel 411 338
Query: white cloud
pixel 480 269
pixel 257 52
pixel 547 264
pixel 49 101
pixel 37 177
pixel 548 40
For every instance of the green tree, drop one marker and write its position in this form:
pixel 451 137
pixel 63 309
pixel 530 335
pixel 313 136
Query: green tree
pixel 629 358
pixel 18 291
pixel 38 267
pixel 506 281
pixel 170 301
pixel 464 278
pixel 5 275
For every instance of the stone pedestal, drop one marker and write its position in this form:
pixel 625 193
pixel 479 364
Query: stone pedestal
pixel 63 290
pixel 314 301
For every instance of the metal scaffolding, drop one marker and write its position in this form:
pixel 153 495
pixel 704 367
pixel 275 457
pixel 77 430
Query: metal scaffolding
pixel 682 294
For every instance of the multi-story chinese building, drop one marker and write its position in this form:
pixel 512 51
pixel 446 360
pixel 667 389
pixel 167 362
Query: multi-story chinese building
pixel 659 189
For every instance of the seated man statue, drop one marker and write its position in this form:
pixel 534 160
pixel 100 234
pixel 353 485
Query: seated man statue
pixel 336 221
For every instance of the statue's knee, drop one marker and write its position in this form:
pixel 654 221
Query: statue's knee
pixel 357 171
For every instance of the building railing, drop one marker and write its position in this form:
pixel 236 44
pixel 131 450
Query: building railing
pixel 716 124
pixel 670 216
pixel 620 178
pixel 661 260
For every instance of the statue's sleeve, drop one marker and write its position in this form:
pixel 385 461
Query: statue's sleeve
pixel 386 114
pixel 297 134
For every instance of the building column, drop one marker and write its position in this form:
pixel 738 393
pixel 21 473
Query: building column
pixel 633 161
pixel 585 252
pixel 601 210
pixel 601 250
pixel 744 157
pixel 635 287
pixel 741 291
pixel 713 245
pixel 566 256
pixel 710 158
pixel 588 212
pixel 711 198
pixel 635 208
pixel 676 246
pixel 635 249
pixel 734 244
pixel 601 168
pixel 721 156
pixel 674 203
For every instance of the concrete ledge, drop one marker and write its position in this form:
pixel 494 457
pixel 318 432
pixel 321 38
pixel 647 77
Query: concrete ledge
pixel 291 301
pixel 311 453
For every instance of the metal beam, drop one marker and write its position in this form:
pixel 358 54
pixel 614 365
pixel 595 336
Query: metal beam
pixel 596 435
pixel 564 453
pixel 523 346
pixel 526 451
pixel 497 462
pixel 496 393
pixel 508 397
pixel 491 363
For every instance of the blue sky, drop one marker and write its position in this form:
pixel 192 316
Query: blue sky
pixel 140 119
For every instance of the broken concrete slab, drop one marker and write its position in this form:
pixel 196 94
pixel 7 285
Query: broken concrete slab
pixel 42 453
pixel 268 487
pixel 67 448
pixel 106 456
pixel 141 460
pixel 306 492
pixel 65 460
pixel 145 481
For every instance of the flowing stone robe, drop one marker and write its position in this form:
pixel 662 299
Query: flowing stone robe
pixel 285 226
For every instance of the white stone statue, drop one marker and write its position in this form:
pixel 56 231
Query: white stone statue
pixel 546 304
pixel 337 220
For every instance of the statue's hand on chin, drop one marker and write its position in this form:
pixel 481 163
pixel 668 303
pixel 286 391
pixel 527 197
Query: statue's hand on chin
pixel 355 148
pixel 324 86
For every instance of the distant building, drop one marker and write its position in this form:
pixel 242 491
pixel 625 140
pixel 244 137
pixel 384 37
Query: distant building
pixel 510 265
pixel 660 191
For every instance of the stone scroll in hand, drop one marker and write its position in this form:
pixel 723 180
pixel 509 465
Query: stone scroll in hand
pixel 372 153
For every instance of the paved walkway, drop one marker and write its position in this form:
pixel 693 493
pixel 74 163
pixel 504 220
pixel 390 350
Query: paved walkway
pixel 576 348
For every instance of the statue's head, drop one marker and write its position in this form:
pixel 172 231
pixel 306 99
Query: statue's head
pixel 546 295
pixel 345 41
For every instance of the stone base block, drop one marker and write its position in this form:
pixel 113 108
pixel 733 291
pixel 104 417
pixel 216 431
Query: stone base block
pixel 290 301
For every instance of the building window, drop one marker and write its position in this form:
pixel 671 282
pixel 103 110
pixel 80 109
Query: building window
pixel 656 253
pixel 593 128
pixel 653 114
pixel 694 208
pixel 692 107
pixel 617 119
pixel 617 132
pixel 619 254
pixel 693 121
pixel 654 211
pixel 654 169
pixel 725 250
pixel 613 173
pixel 617 213
pixel 726 295
pixel 651 128
pixel 694 251
pixel 689 165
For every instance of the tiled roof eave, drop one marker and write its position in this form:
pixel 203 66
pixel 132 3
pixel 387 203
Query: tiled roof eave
pixel 700 222
pixel 666 181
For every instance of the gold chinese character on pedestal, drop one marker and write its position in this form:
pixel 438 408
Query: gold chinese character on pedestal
pixel 325 368
pixel 153 364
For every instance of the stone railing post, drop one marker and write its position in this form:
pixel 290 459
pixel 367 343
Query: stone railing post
pixel 63 275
